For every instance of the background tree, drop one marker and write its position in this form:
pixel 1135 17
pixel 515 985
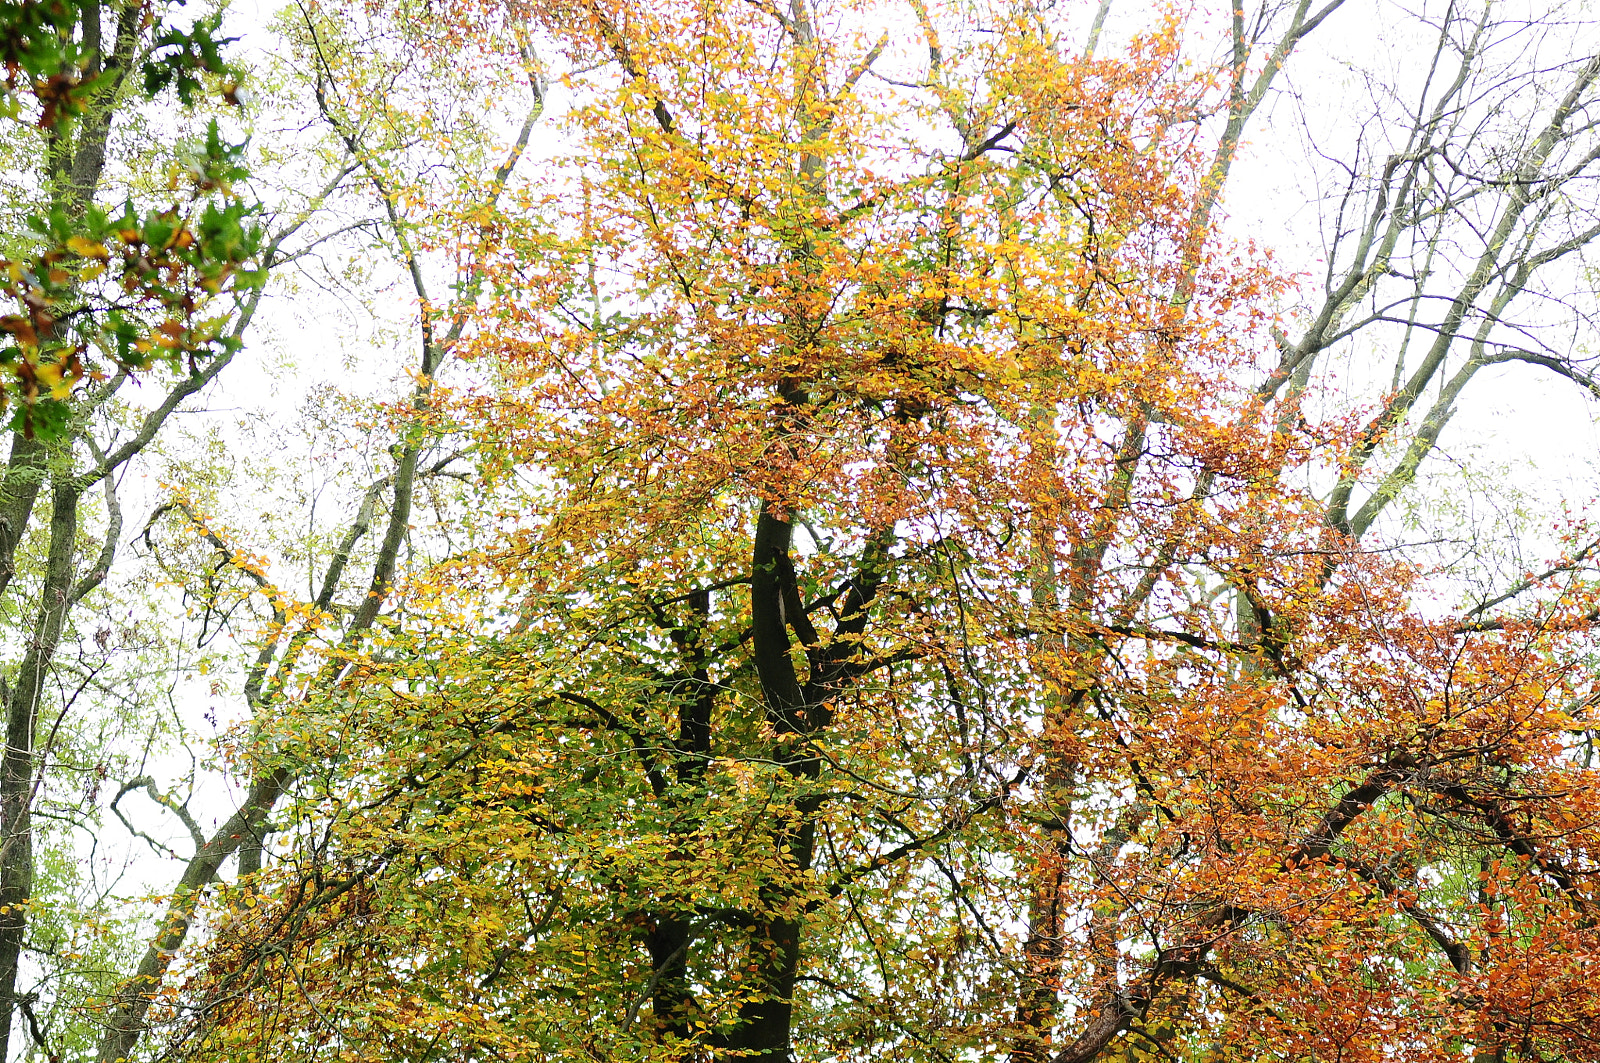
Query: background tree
pixel 392 461
pixel 159 291
pixel 112 301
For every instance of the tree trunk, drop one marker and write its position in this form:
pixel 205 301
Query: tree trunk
pixel 18 769
pixel 132 1000
pixel 766 1019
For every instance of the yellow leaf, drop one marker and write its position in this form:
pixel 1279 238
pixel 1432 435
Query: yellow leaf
pixel 81 245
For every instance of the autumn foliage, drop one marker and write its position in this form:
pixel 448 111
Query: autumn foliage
pixel 911 623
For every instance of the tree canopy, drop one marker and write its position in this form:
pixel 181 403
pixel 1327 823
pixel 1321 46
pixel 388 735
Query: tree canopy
pixel 861 558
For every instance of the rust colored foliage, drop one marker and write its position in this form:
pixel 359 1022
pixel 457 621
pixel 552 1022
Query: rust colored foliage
pixel 906 633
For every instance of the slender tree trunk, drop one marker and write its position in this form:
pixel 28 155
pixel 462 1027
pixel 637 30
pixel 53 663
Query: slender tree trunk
pixel 132 1001
pixel 16 855
pixel 1042 955
pixel 18 769
pixel 1043 949
pixel 24 475
pixel 672 937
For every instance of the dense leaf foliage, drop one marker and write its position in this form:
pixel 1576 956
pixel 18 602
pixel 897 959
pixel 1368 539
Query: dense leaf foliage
pixel 915 626
pixel 840 550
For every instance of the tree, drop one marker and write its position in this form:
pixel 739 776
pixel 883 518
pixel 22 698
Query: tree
pixel 928 619
pixel 102 297
pixel 157 293
pixel 297 649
